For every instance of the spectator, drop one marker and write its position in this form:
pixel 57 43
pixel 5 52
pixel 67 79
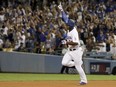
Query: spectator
pixel 94 19
pixel 48 44
pixel 101 46
pixel 7 46
pixel 1 44
pixel 92 46
pixel 29 44
pixel 101 37
pixel 2 17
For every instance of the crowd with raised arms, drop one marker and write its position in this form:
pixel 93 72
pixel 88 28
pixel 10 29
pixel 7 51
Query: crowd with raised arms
pixel 24 28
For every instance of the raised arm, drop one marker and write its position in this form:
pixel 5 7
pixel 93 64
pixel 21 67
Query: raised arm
pixel 65 18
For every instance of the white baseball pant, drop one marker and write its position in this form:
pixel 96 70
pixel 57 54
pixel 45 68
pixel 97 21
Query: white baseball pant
pixel 75 55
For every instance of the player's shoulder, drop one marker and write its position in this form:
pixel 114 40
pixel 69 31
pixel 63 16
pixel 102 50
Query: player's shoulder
pixel 74 29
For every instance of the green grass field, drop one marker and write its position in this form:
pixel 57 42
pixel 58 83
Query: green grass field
pixel 37 77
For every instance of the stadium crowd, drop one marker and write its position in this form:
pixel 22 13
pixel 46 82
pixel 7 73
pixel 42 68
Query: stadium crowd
pixel 27 27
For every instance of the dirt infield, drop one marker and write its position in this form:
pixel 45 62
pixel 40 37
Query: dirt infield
pixel 58 84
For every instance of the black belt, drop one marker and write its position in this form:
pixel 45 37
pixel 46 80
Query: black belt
pixel 72 49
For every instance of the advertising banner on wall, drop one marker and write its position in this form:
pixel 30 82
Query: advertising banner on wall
pixel 99 68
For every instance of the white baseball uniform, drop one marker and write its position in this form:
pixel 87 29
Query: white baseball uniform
pixel 74 52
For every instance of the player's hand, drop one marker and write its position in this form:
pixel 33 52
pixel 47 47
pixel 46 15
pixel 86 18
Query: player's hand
pixel 63 41
pixel 60 7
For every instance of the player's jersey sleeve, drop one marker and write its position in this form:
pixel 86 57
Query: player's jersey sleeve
pixel 67 20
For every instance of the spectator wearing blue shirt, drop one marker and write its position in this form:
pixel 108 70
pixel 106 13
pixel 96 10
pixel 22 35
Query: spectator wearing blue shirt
pixel 100 37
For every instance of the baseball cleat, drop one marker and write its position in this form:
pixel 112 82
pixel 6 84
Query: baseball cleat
pixel 83 83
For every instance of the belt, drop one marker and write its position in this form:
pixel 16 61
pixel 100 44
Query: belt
pixel 72 49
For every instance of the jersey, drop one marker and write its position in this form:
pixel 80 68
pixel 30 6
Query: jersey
pixel 72 35
pixel 75 52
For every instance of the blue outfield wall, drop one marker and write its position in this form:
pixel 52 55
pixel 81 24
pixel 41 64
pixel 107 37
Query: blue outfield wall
pixel 29 62
pixel 43 63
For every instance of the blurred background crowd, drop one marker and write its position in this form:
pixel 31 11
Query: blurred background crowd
pixel 36 26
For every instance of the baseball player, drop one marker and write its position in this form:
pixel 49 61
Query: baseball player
pixel 74 52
